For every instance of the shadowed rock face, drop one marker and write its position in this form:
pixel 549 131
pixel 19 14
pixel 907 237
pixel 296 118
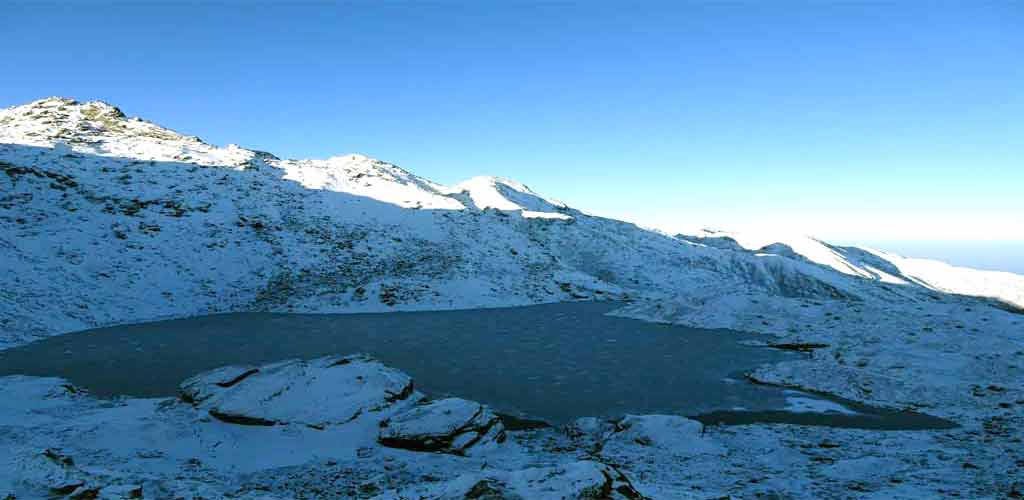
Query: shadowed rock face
pixel 450 425
pixel 317 393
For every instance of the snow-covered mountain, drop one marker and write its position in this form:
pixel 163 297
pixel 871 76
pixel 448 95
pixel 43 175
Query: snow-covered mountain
pixel 873 264
pixel 107 219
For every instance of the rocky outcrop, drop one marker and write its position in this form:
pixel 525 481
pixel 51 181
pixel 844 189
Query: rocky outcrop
pixel 316 393
pixel 581 480
pixel 449 425
pixel 589 433
pixel 669 433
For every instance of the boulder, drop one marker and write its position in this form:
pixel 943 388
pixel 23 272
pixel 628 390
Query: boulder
pixel 670 433
pixel 450 425
pixel 316 393
pixel 121 491
pixel 580 480
pixel 206 385
pixel 589 433
pixel 632 433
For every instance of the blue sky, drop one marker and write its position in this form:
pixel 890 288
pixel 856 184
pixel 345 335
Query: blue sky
pixel 873 122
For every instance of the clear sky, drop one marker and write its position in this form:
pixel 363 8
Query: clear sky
pixel 876 122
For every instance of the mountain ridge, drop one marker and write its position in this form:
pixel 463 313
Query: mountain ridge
pixel 121 219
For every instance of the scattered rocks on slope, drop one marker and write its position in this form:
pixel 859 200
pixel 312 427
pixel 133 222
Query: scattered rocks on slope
pixel 450 425
pixel 317 393
pixel 55 472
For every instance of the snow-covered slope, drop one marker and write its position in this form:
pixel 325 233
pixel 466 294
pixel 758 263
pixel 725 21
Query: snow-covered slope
pixel 873 264
pixel 374 179
pixel 107 219
pixel 504 194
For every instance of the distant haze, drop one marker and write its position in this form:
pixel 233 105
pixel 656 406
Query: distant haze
pixel 990 255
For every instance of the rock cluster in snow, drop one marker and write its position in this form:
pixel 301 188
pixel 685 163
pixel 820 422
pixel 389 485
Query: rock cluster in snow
pixel 321 392
pixel 59 442
pixel 343 402
pixel 450 425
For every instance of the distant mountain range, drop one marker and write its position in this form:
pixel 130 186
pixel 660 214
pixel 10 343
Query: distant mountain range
pixel 108 219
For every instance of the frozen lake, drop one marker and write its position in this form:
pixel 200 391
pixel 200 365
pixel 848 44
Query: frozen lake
pixel 554 362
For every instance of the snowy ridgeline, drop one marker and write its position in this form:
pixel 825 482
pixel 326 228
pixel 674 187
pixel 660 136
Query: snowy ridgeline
pixel 107 219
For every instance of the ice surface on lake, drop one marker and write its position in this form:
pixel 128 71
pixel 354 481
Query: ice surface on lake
pixel 556 362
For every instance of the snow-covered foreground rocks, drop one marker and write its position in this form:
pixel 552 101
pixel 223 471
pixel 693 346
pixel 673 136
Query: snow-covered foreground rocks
pixel 450 425
pixel 326 391
pixel 58 442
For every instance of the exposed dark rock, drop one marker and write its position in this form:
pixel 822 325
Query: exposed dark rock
pixel 449 425
pixel 799 347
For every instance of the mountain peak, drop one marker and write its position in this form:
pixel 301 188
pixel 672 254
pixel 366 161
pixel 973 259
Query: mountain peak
pixel 102 109
pixel 496 181
pixel 63 108
pixel 52 100
pixel 506 194
pixel 351 157
pixel 98 127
